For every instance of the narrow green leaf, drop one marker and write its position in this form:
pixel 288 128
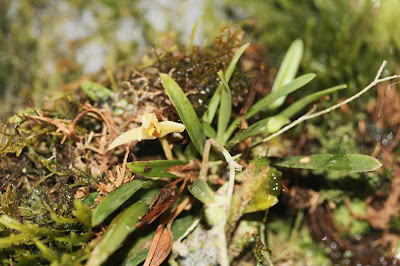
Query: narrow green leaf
pixel 209 114
pixel 235 59
pixel 275 123
pixel 215 100
pixel 209 130
pixel 190 152
pixel 139 250
pixel 270 98
pixel 303 102
pixel 154 168
pixel 115 199
pixel 185 111
pixel 135 257
pixel 193 34
pixel 180 226
pixel 243 134
pixel 201 191
pixel 225 109
pixel 284 90
pixel 117 231
pixel 288 69
pixel 338 162
pixel 96 91
pixel 268 125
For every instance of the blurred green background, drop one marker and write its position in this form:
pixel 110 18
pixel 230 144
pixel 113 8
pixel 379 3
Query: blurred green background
pixel 46 43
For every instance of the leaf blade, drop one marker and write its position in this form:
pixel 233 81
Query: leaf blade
pixel 263 125
pixel 215 100
pixel 185 111
pixel 209 130
pixel 117 231
pixel 338 162
pixel 225 109
pixel 202 191
pixel 285 90
pixel 118 196
pixel 303 102
pixel 288 69
pixel 270 98
pixel 156 168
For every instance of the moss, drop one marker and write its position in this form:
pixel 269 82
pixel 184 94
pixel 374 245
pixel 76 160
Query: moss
pixel 50 156
pixel 344 219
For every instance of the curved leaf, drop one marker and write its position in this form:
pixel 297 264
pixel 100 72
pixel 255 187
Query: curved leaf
pixel 209 130
pixel 156 168
pixel 225 109
pixel 115 199
pixel 270 98
pixel 117 231
pixel 185 111
pixel 215 100
pixel 255 129
pixel 202 191
pixel 288 69
pixel 303 102
pixel 338 162
pixel 135 257
pixel 275 123
pixel 283 91
pixel 180 226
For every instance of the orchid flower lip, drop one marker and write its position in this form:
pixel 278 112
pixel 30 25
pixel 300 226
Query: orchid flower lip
pixel 150 129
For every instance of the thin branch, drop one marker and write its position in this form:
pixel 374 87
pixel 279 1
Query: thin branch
pixel 330 109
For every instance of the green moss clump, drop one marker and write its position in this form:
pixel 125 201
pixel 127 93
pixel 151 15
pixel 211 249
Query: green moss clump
pixel 344 219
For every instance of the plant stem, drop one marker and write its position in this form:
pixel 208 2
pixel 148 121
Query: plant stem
pixel 166 148
pixel 233 167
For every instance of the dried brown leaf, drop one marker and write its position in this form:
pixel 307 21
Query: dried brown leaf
pixel 161 246
pixel 162 241
pixel 162 202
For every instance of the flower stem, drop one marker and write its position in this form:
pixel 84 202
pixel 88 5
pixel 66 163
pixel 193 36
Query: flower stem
pixel 166 148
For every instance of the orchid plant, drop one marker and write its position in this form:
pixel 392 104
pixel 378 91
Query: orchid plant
pixel 223 207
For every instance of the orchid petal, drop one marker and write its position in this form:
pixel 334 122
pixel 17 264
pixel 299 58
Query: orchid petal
pixel 148 119
pixel 134 134
pixel 150 131
pixel 168 127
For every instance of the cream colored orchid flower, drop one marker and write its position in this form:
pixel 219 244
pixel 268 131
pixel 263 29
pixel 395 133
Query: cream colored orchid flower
pixel 150 129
